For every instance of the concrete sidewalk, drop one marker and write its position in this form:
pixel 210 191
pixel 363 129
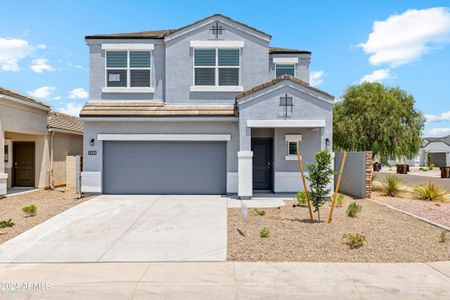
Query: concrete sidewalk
pixel 228 280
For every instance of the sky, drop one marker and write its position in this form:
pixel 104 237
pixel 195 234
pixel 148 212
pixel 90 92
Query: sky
pixel 399 43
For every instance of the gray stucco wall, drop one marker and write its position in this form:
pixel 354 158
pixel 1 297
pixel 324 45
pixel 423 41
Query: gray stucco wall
pixel 91 129
pixel 353 182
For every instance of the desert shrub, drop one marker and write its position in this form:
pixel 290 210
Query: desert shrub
pixel 430 166
pixel 260 212
pixel 430 192
pixel 353 209
pixel 301 199
pixel 30 210
pixel 422 169
pixel 340 200
pixel 354 241
pixel 443 237
pixel 4 223
pixel 264 233
pixel 391 185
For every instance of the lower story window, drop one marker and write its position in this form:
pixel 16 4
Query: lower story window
pixel 292 148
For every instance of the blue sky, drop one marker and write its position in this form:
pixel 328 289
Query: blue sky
pixel 43 53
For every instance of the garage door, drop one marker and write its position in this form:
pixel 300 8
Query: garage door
pixel 164 167
pixel 439 159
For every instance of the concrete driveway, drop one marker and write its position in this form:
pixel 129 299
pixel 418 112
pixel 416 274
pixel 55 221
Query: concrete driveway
pixel 128 229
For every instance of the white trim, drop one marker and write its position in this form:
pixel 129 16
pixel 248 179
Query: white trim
pixel 285 123
pixel 293 137
pixel 285 60
pixel 245 174
pixel 129 46
pixel 128 90
pixel 218 88
pixel 3 175
pixel 8 164
pixel 163 137
pixel 91 182
pixel 245 154
pixel 160 119
pixel 217 44
pixel 290 157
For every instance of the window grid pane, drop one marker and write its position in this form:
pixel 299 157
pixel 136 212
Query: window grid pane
pixel 284 70
pixel 229 57
pixel 292 148
pixel 116 59
pixel 205 76
pixel 229 76
pixel 205 57
pixel 116 78
pixel 140 59
pixel 140 78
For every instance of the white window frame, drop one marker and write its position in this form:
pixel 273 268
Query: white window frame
pixel 216 72
pixel 8 163
pixel 277 64
pixel 128 68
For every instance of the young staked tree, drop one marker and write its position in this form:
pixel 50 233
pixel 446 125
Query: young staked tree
pixel 372 117
pixel 320 175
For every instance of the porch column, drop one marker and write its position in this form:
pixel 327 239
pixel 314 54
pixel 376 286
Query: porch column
pixel 3 175
pixel 245 162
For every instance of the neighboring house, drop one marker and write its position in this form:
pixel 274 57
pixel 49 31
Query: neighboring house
pixel 209 108
pixel 35 142
pixel 439 149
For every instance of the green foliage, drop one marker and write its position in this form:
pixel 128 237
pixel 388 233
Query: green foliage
pixel 260 212
pixel 4 223
pixel 443 237
pixel 391 185
pixel 430 166
pixel 301 199
pixel 320 175
pixel 30 210
pixel 264 233
pixel 355 241
pixel 422 169
pixel 430 192
pixel 340 200
pixel 429 161
pixel 353 209
pixel 372 117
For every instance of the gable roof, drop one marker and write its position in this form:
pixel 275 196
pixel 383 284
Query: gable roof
pixel 161 34
pixel 60 121
pixel 153 109
pixel 444 139
pixel 277 80
pixel 276 50
pixel 9 93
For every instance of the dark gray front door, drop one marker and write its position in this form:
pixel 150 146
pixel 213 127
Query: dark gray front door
pixel 23 164
pixel 164 167
pixel 439 159
pixel 262 163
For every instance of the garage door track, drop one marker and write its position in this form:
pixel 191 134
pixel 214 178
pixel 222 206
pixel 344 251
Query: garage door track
pixel 128 229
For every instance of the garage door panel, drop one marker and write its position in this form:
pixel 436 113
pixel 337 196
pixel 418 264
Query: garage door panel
pixel 164 167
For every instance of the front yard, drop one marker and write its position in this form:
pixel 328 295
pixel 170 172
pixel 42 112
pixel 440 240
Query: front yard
pixel 48 203
pixel 390 236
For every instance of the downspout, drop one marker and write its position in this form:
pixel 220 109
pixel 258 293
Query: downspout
pixel 52 179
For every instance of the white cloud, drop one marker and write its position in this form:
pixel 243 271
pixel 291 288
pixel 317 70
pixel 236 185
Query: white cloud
pixel 78 93
pixel 72 109
pixel 42 92
pixel 377 76
pixel 11 51
pixel 445 116
pixel 41 65
pixel 42 46
pixel 406 37
pixel 57 98
pixel 316 77
pixel 72 65
pixel 442 131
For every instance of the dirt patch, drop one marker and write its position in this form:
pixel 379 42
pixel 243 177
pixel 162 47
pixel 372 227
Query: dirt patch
pixel 390 236
pixel 49 203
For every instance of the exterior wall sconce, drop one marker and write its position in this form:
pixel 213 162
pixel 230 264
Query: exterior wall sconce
pixel 327 143
pixel 92 143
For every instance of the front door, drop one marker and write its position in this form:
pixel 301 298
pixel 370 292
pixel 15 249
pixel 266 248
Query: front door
pixel 262 163
pixel 23 164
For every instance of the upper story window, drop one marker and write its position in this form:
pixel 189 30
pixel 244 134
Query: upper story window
pixel 216 67
pixel 284 69
pixel 128 69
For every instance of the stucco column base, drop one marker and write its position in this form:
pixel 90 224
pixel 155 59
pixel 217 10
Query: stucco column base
pixel 3 183
pixel 245 174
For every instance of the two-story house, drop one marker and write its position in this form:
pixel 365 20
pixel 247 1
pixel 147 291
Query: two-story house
pixel 209 108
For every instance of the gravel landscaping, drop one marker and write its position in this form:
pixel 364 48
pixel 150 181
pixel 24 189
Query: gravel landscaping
pixel 390 236
pixel 434 211
pixel 49 203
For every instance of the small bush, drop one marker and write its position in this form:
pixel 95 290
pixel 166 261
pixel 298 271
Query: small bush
pixel 264 233
pixel 301 199
pixel 430 166
pixel 340 200
pixel 30 210
pixel 355 241
pixel 353 209
pixel 443 237
pixel 422 169
pixel 391 185
pixel 260 212
pixel 4 223
pixel 430 192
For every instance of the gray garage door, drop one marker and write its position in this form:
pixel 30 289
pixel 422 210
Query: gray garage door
pixel 164 167
pixel 439 159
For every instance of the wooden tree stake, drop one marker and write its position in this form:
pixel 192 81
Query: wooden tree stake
pixel 344 157
pixel 299 159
